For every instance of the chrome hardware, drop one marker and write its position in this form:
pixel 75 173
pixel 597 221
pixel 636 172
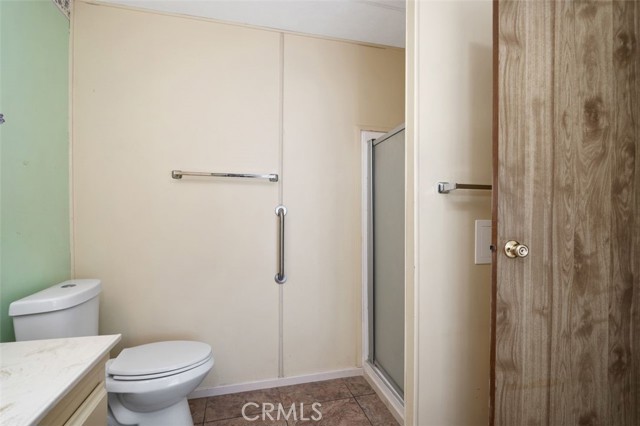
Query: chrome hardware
pixel 514 249
pixel 280 277
pixel 447 187
pixel 177 174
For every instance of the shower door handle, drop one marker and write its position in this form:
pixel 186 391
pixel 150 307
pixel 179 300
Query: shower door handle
pixel 281 212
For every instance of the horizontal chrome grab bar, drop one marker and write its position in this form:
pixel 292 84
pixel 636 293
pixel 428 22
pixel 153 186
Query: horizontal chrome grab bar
pixel 280 277
pixel 177 174
pixel 446 187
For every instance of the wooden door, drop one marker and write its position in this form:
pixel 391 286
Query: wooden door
pixel 566 318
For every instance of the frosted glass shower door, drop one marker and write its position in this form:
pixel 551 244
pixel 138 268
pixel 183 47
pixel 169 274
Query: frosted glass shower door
pixel 387 285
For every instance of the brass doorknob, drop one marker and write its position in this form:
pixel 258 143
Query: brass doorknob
pixel 515 249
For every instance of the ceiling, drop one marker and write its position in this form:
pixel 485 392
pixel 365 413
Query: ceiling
pixel 370 21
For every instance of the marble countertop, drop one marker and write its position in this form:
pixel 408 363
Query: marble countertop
pixel 35 375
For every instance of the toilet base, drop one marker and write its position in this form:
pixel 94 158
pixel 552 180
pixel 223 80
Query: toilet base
pixel 178 414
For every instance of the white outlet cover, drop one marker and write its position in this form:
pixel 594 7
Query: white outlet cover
pixel 483 242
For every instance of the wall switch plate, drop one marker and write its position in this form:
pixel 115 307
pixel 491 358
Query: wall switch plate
pixel 483 242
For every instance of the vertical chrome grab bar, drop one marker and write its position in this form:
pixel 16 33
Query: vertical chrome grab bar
pixel 280 277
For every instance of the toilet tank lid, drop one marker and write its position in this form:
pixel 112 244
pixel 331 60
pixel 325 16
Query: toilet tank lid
pixel 55 298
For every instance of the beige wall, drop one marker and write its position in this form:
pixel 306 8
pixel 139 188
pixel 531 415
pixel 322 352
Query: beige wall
pixel 449 125
pixel 332 91
pixel 195 259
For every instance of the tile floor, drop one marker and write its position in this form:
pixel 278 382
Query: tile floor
pixel 344 402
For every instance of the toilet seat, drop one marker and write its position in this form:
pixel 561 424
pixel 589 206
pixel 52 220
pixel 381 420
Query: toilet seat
pixel 157 360
pixel 159 375
pixel 156 401
pixel 142 386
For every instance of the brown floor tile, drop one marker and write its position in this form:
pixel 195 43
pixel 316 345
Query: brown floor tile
pixel 197 407
pixel 376 411
pixel 343 412
pixel 308 393
pixel 243 422
pixel 358 385
pixel 230 406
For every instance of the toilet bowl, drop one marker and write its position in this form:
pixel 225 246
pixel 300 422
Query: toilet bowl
pixel 147 384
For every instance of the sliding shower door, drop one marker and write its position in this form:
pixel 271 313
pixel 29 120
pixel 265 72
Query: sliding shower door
pixel 386 288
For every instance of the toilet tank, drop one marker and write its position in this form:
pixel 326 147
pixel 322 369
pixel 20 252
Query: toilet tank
pixel 68 309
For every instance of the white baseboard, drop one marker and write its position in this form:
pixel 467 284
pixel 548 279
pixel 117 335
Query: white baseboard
pixel 382 388
pixel 274 383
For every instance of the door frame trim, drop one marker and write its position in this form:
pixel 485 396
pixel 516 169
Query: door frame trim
pixel 367 244
pixel 494 212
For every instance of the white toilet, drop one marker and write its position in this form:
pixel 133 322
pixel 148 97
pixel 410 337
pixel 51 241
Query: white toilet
pixel 147 384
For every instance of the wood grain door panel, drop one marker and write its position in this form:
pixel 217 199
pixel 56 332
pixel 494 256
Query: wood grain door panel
pixel 566 321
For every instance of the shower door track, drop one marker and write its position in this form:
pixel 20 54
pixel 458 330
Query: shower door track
pixel 387 380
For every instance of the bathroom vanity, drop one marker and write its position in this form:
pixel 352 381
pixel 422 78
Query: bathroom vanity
pixel 54 381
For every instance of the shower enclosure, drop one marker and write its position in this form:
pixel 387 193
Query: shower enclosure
pixel 385 287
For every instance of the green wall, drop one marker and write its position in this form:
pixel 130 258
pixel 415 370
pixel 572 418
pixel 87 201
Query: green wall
pixel 34 151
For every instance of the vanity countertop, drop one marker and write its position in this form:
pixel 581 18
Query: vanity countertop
pixel 35 375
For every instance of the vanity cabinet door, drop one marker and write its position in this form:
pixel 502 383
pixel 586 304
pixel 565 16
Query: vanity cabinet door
pixel 84 397
pixel 93 411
